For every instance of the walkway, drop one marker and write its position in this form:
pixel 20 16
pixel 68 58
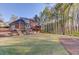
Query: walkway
pixel 71 44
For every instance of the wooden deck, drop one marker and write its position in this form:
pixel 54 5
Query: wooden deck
pixel 4 32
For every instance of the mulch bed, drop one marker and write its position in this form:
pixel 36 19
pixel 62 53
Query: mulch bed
pixel 71 45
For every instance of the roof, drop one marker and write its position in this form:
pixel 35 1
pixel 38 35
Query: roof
pixel 25 20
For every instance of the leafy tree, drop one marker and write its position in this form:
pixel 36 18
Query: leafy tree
pixel 37 19
pixel 13 18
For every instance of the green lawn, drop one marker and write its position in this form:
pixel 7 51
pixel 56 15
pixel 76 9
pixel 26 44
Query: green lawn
pixel 32 45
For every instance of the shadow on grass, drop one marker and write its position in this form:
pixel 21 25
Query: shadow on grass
pixel 34 47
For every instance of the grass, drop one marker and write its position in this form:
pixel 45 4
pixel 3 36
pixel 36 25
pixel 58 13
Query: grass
pixel 72 33
pixel 75 34
pixel 32 45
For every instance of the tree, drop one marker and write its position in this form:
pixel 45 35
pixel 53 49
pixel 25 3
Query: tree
pixel 13 18
pixel 60 14
pixel 37 19
pixel 64 10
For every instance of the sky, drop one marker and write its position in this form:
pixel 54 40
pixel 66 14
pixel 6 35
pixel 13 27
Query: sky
pixel 27 10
